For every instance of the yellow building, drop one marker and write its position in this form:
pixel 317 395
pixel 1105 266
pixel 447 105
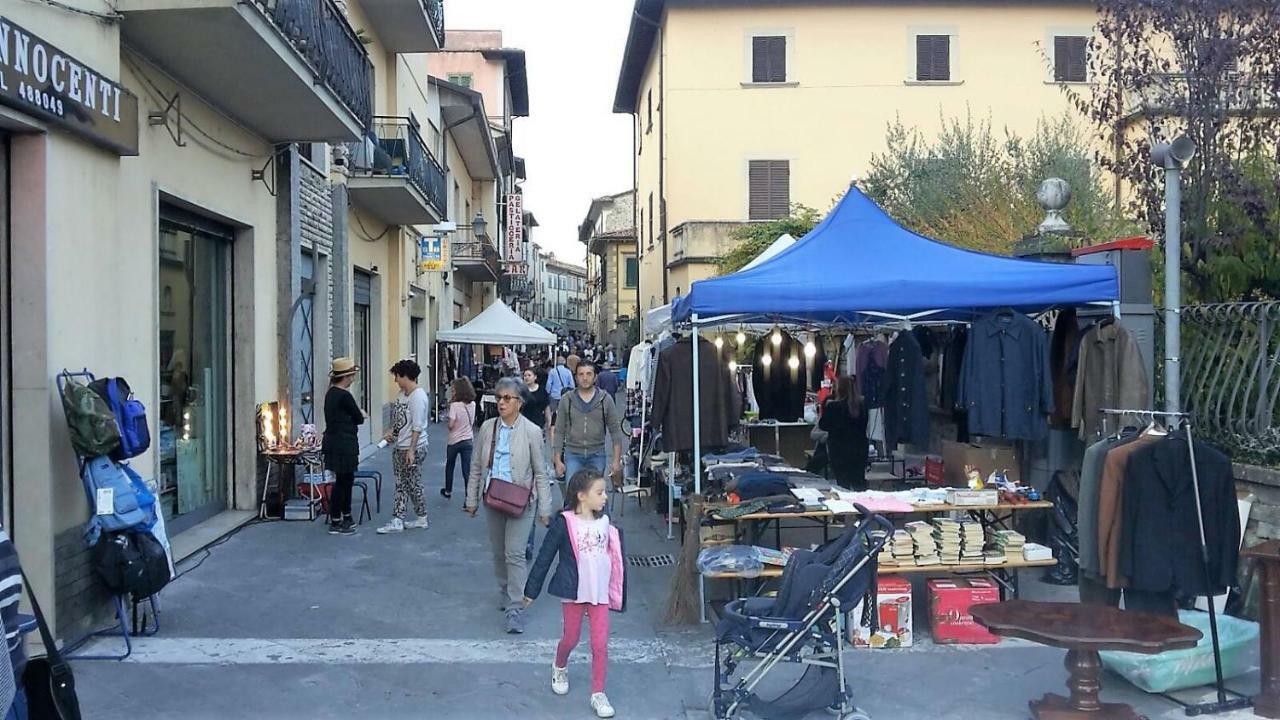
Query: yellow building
pixel 613 270
pixel 744 108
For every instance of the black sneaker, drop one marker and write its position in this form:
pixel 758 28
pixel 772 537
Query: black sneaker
pixel 335 527
pixel 347 528
pixel 446 494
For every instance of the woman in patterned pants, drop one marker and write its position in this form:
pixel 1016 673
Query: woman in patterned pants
pixel 409 432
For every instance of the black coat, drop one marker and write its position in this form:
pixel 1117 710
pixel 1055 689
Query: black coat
pixel 342 417
pixel 1005 384
pixel 779 389
pixel 846 442
pixel 906 401
pixel 564 583
pixel 721 405
pixel 1160 538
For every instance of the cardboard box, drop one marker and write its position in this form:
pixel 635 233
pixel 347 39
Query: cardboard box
pixel 893 600
pixel 987 457
pixel 949 603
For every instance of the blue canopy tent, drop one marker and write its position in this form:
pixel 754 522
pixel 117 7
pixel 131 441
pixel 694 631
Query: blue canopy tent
pixel 858 266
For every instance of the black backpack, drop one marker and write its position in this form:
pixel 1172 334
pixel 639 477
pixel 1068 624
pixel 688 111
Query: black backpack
pixel 131 562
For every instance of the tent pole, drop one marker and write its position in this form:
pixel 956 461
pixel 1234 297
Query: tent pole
pixel 697 413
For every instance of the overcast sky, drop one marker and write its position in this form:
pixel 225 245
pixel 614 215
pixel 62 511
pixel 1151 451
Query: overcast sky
pixel 576 148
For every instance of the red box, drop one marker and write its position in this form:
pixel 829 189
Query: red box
pixel 933 471
pixel 949 603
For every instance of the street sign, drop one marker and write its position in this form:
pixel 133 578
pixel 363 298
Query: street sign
pixel 433 254
pixel 515 229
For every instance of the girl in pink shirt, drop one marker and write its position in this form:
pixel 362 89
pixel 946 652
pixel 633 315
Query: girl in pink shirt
pixel 590 580
pixel 462 418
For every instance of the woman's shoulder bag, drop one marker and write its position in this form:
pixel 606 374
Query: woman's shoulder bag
pixel 505 497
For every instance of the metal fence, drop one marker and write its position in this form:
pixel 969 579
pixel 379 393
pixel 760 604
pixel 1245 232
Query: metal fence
pixel 318 30
pixel 1231 376
pixel 435 13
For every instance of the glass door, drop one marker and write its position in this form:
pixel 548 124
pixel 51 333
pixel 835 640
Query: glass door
pixel 194 363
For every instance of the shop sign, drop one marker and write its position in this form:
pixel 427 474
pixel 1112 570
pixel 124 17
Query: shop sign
pixel 517 269
pixel 515 228
pixel 433 254
pixel 45 82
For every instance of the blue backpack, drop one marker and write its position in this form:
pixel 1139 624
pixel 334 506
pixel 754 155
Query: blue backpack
pixel 131 417
pixel 133 505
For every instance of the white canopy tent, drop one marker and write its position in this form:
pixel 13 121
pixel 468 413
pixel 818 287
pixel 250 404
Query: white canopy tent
pixel 498 325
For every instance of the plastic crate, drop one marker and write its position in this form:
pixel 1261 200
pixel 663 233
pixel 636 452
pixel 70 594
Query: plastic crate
pixel 1180 669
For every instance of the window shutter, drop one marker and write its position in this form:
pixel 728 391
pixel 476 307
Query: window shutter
pixel 933 57
pixel 1070 59
pixel 769 191
pixel 768 59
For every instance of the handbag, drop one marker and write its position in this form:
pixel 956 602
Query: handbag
pixel 50 687
pixel 505 497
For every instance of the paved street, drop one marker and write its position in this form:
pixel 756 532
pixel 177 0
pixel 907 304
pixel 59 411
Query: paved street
pixel 285 621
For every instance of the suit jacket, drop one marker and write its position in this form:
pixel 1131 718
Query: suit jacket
pixel 673 397
pixel 1111 508
pixel 1111 374
pixel 1160 548
pixel 528 463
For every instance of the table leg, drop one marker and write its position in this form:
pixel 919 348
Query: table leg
pixel 1084 668
pixel 1267 702
pixel 266 485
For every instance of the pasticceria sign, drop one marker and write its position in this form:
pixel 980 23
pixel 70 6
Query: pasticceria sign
pixel 41 80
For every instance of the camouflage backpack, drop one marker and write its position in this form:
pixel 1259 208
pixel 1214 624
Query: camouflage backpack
pixel 92 424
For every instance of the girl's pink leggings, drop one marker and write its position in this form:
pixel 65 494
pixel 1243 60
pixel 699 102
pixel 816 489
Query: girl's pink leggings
pixel 599 616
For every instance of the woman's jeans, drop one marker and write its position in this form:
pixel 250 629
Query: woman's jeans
pixel 452 453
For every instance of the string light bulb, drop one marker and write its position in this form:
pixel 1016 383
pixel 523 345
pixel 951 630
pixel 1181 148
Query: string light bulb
pixel 741 338
pixel 777 337
pixel 733 366
pixel 186 425
pixel 810 349
pixel 767 360
pixel 719 343
pixel 794 362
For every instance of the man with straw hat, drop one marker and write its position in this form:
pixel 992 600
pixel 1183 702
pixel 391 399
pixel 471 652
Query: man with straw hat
pixel 341 446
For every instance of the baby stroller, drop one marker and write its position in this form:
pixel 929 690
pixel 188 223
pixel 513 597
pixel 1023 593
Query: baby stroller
pixel 804 624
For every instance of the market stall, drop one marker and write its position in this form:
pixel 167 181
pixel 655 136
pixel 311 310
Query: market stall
pixel 498 324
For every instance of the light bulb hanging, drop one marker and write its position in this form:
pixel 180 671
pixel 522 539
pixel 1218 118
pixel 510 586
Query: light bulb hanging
pixel 767 360
pixel 733 366
pixel 794 362
pixel 719 343
pixel 741 338
pixel 777 337
pixel 810 350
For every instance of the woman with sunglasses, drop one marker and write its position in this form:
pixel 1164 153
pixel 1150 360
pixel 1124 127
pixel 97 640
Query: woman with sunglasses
pixel 509 448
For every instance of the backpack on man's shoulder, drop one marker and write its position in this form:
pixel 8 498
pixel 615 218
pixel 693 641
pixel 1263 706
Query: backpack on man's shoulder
pixel 93 426
pixel 130 415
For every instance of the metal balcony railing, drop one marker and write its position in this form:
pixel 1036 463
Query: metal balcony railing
pixel 320 32
pixel 394 147
pixel 435 13
pixel 472 251
pixel 1176 93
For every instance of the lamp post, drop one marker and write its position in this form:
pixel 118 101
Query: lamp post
pixel 478 226
pixel 1173 157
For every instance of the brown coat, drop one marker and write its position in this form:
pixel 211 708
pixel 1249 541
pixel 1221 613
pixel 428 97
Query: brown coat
pixel 1111 374
pixel 1111 512
pixel 720 404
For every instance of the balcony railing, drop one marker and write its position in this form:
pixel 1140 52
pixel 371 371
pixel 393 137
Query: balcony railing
pixel 1176 93
pixel 435 13
pixel 471 253
pixel 395 148
pixel 318 30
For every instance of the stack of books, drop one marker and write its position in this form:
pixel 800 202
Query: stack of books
pixel 923 545
pixel 903 550
pixel 1010 543
pixel 885 557
pixel 946 533
pixel 972 539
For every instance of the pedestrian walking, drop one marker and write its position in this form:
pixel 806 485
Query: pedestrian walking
pixel 462 420
pixel 608 380
pixel 584 419
pixel 409 433
pixel 590 578
pixel 559 381
pixel 341 445
pixel 537 409
pixel 514 451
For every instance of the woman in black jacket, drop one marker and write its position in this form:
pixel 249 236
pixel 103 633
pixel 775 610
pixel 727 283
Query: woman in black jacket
pixel 341 447
pixel 845 421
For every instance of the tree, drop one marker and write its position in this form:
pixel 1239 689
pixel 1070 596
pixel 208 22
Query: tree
pixel 755 238
pixel 1209 69
pixel 973 188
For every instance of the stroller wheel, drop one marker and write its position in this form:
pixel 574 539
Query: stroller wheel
pixel 711 708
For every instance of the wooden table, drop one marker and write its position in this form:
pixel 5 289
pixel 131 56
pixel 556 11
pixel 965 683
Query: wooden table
pixel 1083 630
pixel 1267 556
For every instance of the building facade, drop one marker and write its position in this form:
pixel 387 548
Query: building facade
pixel 564 294
pixel 613 268
pixel 742 109
pixel 150 169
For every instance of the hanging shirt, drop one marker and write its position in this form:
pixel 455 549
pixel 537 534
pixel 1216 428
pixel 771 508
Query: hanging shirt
pixel 594 565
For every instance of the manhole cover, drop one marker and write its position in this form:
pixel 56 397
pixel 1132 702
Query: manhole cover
pixel 651 560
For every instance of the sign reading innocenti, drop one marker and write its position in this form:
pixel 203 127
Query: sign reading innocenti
pixel 41 80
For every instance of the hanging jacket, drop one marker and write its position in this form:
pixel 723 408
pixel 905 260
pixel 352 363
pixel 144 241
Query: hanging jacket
pixel 779 387
pixel 720 404
pixel 1110 374
pixel 1005 384
pixel 561 542
pixel 1064 355
pixel 906 401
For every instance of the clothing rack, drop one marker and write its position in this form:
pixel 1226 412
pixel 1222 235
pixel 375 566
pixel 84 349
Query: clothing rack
pixel 1223 703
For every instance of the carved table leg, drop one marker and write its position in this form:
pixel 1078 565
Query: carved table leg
pixel 1267 703
pixel 1084 667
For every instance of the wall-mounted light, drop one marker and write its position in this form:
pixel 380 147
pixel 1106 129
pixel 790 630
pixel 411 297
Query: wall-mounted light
pixel 479 225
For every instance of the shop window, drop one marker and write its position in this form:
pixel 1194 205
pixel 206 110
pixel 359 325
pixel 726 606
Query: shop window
pixel 1070 59
pixel 770 189
pixel 769 59
pixel 933 58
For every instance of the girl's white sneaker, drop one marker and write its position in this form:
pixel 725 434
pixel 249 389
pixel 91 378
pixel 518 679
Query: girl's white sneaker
pixel 600 703
pixel 559 680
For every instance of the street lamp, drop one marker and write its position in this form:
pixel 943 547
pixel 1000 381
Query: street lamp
pixel 1173 157
pixel 479 225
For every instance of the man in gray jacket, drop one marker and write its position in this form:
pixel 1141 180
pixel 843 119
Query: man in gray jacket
pixel 582 420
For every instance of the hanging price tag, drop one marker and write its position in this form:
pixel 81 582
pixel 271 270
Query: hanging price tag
pixel 106 501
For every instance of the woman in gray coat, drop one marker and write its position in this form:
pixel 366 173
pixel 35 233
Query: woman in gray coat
pixel 509 448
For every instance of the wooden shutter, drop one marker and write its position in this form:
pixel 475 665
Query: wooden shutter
pixel 362 288
pixel 769 59
pixel 1070 57
pixel 933 57
pixel 769 191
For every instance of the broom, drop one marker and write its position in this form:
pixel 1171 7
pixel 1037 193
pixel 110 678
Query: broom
pixel 682 601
